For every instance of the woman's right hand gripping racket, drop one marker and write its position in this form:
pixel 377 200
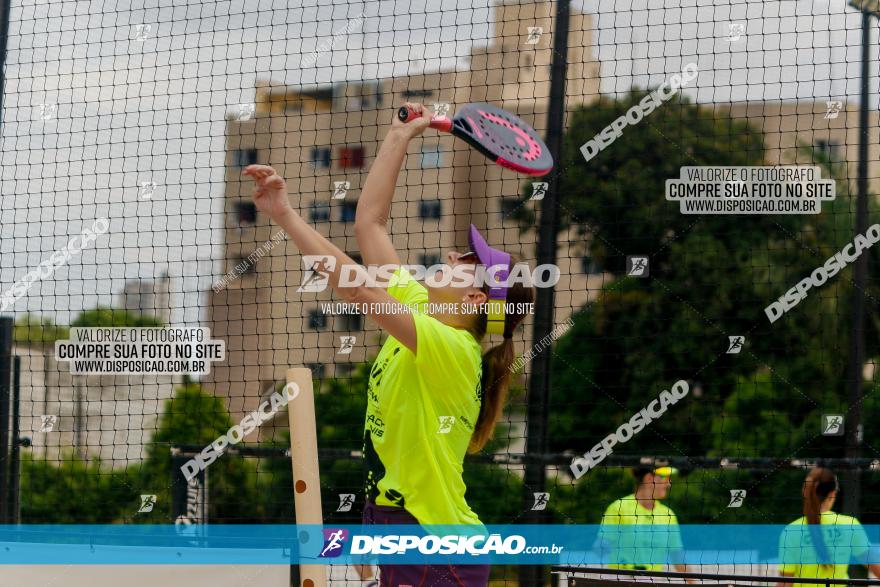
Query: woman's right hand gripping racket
pixel 499 135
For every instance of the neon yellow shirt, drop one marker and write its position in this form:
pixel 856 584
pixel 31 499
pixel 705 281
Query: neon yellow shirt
pixel 638 545
pixel 421 413
pixel 844 537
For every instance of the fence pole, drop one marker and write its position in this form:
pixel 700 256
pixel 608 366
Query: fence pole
pixel 6 332
pixel 853 422
pixel 15 459
pixel 548 228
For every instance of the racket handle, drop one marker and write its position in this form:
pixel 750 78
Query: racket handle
pixel 441 123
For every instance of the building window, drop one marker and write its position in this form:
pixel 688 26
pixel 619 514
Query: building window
pixel 351 322
pixel 432 156
pixel 429 259
pixel 347 211
pixel 418 93
pixel 344 369
pixel 245 267
pixel 320 157
pixel 319 212
pixel 829 148
pixel 244 157
pixel 351 157
pixel 509 205
pixel 589 266
pixel 355 103
pixel 246 212
pixel 317 370
pixel 430 209
pixel 317 320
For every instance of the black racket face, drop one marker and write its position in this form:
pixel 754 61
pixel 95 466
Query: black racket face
pixel 503 137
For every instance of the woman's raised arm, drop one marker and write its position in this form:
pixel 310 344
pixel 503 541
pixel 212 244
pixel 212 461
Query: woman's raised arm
pixel 374 204
pixel 270 196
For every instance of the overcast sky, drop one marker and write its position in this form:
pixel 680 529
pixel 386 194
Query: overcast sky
pixel 151 109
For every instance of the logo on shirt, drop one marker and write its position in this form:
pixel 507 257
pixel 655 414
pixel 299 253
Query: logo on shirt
pixel 395 497
pixel 446 424
pixel 334 541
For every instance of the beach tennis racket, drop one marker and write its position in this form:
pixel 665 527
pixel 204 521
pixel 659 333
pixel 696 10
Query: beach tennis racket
pixel 496 133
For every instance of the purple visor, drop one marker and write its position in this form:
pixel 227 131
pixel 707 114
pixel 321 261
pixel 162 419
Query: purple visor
pixel 497 264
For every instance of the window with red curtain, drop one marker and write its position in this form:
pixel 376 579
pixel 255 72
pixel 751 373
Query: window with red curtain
pixel 351 157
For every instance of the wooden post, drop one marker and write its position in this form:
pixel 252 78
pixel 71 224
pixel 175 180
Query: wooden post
pixel 304 454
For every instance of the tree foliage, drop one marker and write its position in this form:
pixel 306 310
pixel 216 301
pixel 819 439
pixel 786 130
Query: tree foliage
pixel 102 317
pixel 710 278
pixel 32 329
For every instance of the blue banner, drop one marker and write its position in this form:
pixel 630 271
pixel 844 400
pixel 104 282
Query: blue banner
pixel 410 544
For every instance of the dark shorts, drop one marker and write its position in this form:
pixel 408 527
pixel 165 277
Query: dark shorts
pixel 421 575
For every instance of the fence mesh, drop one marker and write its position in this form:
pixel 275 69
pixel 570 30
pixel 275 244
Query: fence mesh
pixel 125 132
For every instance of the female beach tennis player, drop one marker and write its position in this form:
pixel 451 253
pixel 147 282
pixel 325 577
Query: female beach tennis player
pixel 432 394
pixel 828 536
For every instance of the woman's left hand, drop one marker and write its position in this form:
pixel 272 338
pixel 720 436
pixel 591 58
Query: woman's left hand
pixel 270 193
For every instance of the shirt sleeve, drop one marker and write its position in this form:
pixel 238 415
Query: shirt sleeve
pixel 406 289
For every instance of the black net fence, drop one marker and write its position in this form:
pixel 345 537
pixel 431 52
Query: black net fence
pixel 714 307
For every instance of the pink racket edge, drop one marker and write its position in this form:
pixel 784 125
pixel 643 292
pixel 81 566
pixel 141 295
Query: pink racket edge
pixel 533 171
pixel 525 169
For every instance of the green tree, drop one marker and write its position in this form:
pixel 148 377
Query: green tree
pixel 113 317
pixel 31 329
pixel 193 417
pixel 756 420
pixel 710 278
pixel 72 491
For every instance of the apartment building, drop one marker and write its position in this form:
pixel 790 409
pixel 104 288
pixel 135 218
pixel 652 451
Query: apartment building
pixel 111 417
pixel 147 297
pixel 318 136
pixel 791 129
